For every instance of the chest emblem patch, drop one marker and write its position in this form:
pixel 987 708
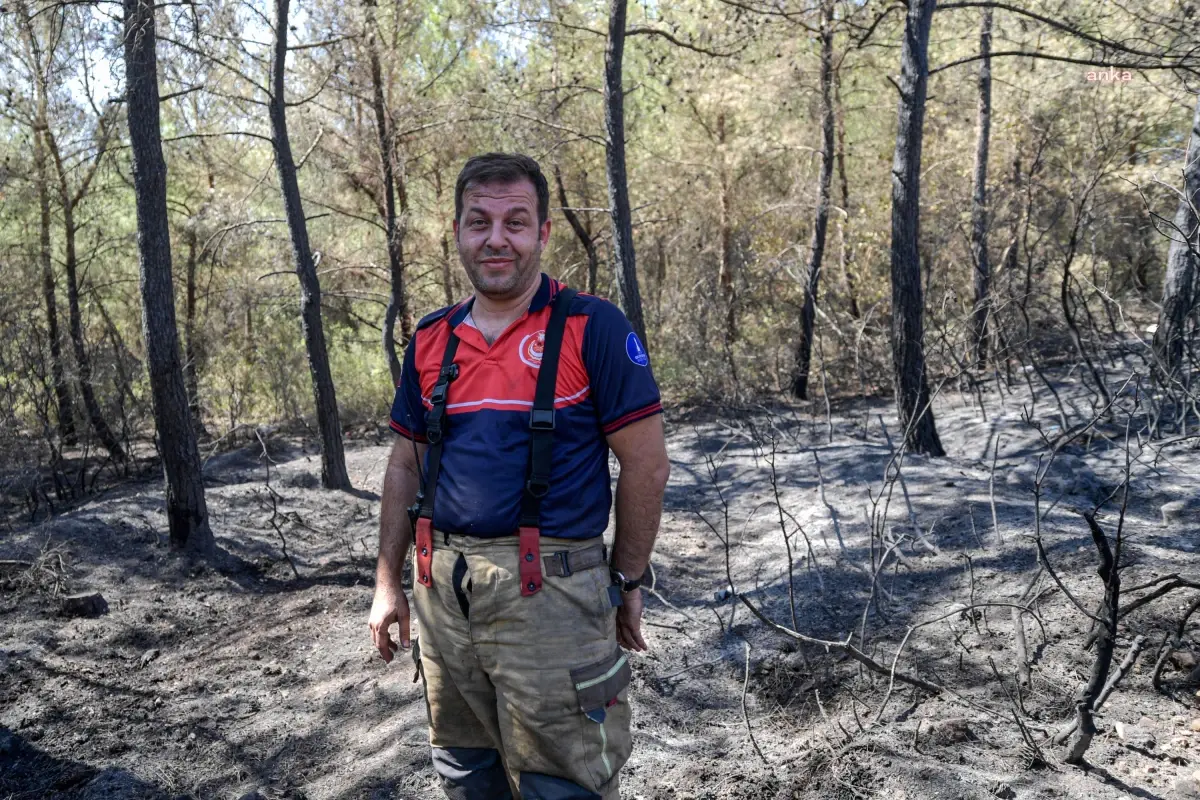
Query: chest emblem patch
pixel 531 347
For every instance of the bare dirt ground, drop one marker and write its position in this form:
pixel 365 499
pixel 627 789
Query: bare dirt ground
pixel 209 685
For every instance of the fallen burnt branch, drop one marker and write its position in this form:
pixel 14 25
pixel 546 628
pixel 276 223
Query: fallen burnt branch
pixel 956 612
pixel 843 647
pixel 45 574
pixel 891 673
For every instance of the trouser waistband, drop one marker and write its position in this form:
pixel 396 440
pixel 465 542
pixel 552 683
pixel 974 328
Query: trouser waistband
pixel 560 557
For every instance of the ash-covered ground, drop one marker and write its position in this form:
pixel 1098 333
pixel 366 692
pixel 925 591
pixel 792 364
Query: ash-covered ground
pixel 207 684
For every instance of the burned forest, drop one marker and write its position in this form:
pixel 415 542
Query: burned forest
pixel 918 282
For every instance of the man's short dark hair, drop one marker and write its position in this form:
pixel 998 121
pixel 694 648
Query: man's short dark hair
pixel 503 168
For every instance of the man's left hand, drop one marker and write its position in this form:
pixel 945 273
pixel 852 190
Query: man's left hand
pixel 629 621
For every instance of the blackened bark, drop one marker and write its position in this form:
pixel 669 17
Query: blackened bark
pixel 1179 290
pixel 187 513
pixel 397 307
pixel 581 231
pixel 979 203
pixel 908 346
pixel 816 248
pixel 628 294
pixel 333 459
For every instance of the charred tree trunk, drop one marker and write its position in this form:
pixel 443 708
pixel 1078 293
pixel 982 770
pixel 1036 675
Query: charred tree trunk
pixel 816 250
pixel 397 307
pixel 187 513
pixel 628 294
pixel 979 204
pixel 847 248
pixel 333 459
pixel 1179 290
pixel 581 231
pixel 908 334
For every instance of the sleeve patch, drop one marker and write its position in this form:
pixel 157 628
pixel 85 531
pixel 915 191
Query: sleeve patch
pixel 636 352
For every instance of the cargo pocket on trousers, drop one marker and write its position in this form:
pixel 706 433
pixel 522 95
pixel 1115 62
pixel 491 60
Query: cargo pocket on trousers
pixel 600 693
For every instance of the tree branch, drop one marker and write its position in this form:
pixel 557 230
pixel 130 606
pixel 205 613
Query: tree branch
pixel 323 43
pixel 1053 23
pixel 644 31
pixel 180 93
pixel 1067 59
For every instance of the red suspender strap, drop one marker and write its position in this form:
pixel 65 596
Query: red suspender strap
pixel 531 560
pixel 435 431
pixel 541 445
pixel 425 551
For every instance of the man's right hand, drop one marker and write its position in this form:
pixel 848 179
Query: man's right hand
pixel 390 606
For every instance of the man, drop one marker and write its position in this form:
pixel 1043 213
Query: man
pixel 522 611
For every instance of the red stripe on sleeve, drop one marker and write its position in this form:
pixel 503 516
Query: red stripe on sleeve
pixel 633 416
pixel 405 432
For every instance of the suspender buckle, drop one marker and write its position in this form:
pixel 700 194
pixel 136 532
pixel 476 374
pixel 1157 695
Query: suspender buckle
pixel 530 565
pixel 446 374
pixel 537 487
pixel 541 419
pixel 564 561
pixel 433 430
pixel 438 397
pixel 425 552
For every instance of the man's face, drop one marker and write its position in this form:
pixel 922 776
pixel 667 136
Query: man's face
pixel 499 240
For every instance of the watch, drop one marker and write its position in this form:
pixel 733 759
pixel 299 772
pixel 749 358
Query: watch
pixel 627 585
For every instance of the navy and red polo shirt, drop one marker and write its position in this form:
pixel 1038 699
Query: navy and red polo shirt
pixel 604 383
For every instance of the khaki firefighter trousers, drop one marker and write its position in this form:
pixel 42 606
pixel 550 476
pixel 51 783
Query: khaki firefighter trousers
pixel 525 694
